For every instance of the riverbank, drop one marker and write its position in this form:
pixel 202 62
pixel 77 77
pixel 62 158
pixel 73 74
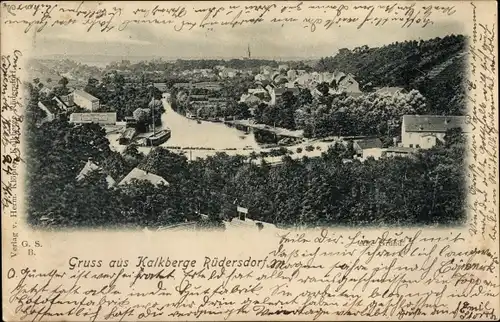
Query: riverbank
pixel 201 140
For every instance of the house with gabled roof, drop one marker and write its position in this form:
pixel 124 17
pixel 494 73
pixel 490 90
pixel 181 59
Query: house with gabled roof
pixel 368 147
pixel 424 131
pixel 141 175
pixel 51 110
pixel 85 100
pixel 89 167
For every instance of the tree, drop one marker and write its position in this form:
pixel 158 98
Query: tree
pixel 142 115
pixel 305 97
pixel 323 88
pixel 64 82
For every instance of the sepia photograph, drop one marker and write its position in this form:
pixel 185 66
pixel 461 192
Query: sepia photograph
pixel 249 161
pixel 263 133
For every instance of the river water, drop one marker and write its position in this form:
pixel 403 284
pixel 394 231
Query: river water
pixel 218 137
pixel 188 133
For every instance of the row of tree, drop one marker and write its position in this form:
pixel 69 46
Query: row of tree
pixel 341 114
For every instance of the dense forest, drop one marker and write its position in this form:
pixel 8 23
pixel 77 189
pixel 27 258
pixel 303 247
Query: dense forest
pixel 425 190
pixel 435 67
pixel 116 95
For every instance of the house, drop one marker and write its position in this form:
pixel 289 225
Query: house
pixel 348 84
pixel 228 73
pixel 50 110
pixel 424 131
pixel 139 174
pixel 291 74
pixel 399 152
pixel 260 77
pixel 85 100
pixel 266 70
pixel 369 147
pixel 162 87
pixel 183 85
pixel 304 80
pixel 45 90
pixel 89 167
pixel 200 97
pixel 280 79
pixel 61 103
pixel 280 91
pixel 99 118
pixel 283 67
pixel 258 90
pixel 324 77
pixel 276 93
pixel 212 86
pixel 316 93
pixel 389 90
pixel 68 99
pixel 127 136
pixel 250 99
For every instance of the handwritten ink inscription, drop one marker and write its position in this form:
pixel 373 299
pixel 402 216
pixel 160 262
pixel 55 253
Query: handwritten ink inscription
pixel 314 275
pixel 483 170
pixel 11 121
pixel 102 18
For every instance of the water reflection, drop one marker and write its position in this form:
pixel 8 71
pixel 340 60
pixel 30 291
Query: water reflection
pixel 189 133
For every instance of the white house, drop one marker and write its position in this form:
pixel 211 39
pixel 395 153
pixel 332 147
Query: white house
pixel 399 152
pixel 348 84
pixel 85 100
pixel 228 73
pixel 260 77
pixel 424 131
pixel 366 148
pixel 258 90
pixel 283 67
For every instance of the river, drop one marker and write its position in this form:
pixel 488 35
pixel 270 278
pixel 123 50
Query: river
pixel 217 137
pixel 188 133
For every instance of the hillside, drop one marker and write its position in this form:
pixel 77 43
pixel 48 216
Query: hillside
pixel 411 64
pixel 445 92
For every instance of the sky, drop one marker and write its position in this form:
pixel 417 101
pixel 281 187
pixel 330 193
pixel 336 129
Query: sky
pixel 265 41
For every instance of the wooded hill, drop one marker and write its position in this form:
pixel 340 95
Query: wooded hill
pixel 435 67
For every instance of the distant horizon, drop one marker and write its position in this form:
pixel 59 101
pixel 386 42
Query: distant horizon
pixel 103 58
pixel 148 44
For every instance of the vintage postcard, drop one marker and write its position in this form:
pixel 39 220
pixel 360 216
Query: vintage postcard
pixel 249 161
